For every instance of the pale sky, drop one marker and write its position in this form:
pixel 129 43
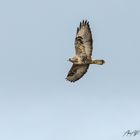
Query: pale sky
pixel 36 40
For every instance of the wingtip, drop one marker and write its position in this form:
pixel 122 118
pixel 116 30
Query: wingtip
pixel 80 24
pixel 77 29
pixel 69 80
pixel 84 22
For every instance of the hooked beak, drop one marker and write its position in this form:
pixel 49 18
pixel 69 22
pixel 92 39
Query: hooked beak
pixel 69 60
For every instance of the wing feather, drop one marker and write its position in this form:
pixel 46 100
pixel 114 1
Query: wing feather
pixel 84 39
pixel 76 72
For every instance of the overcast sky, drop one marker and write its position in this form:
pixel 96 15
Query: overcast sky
pixel 36 40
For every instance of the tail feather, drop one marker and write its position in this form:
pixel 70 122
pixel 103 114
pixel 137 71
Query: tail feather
pixel 98 62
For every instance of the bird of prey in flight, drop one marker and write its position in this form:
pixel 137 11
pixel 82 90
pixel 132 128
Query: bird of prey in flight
pixel 83 50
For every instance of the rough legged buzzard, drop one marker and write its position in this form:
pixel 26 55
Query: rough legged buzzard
pixel 83 49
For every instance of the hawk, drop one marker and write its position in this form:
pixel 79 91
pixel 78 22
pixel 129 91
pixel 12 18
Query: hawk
pixel 83 49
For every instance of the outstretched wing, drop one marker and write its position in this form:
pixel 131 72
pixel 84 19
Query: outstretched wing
pixel 83 40
pixel 76 72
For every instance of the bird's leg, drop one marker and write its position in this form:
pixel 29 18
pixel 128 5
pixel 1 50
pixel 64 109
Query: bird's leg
pixel 98 62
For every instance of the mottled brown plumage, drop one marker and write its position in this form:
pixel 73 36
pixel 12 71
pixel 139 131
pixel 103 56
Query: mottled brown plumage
pixel 83 49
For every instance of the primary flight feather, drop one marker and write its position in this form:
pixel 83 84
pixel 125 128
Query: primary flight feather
pixel 83 49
